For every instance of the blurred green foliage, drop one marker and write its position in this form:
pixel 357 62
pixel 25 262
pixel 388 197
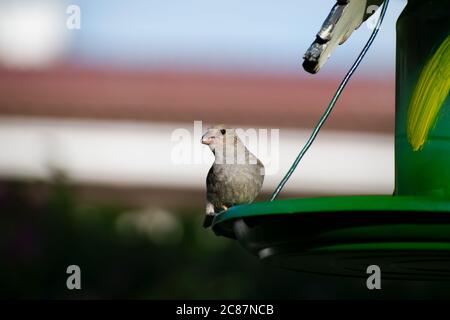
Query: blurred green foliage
pixel 41 236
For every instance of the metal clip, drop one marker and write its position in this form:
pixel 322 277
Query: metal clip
pixel 345 17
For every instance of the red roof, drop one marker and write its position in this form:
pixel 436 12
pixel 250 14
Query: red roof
pixel 260 100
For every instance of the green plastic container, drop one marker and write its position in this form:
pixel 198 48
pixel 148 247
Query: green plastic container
pixel 421 29
pixel 407 234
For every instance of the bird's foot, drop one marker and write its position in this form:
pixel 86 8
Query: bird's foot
pixel 209 217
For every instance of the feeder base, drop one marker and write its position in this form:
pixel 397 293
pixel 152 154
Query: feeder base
pixel 407 237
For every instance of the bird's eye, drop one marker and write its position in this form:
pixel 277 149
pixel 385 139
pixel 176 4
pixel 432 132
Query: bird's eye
pixel 223 131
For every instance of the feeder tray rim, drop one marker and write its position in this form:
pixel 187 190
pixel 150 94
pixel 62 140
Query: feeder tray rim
pixel 335 204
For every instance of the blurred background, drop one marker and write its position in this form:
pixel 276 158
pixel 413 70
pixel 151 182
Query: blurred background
pixel 87 116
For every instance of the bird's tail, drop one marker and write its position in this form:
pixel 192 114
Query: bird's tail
pixel 208 220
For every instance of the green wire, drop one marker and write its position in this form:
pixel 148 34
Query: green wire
pixel 328 110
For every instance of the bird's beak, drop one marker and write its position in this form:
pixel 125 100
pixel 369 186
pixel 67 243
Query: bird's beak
pixel 206 140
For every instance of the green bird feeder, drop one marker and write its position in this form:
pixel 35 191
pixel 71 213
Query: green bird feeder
pixel 407 234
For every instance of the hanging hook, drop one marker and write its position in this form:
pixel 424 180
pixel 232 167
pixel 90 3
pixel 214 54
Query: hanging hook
pixel 330 107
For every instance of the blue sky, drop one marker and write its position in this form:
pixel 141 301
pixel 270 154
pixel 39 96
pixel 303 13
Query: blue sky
pixel 233 35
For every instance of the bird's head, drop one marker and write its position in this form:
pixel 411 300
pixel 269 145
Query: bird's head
pixel 218 136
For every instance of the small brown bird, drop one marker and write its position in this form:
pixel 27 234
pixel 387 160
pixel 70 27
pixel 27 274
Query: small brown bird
pixel 236 176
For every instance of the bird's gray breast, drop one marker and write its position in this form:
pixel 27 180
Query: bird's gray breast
pixel 231 184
